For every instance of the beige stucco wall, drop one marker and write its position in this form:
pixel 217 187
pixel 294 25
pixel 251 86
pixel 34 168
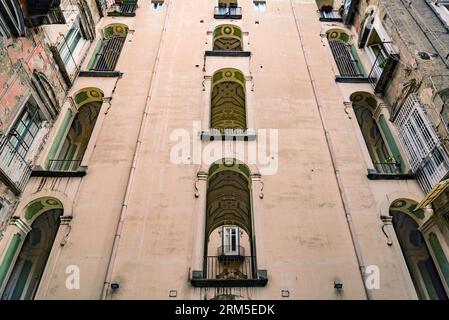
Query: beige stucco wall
pixel 302 235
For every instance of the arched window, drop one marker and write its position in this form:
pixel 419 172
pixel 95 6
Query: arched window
pixel 228 38
pixel 11 19
pixel 364 105
pixel 46 93
pixel 29 266
pixel 345 54
pixel 420 264
pixel 229 251
pixel 228 102
pixel 109 48
pixel 71 152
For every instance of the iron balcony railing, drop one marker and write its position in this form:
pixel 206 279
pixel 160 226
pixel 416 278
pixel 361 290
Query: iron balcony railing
pixel 107 58
pixel 13 165
pixel 387 167
pixel 231 251
pixel 348 67
pixel 64 165
pixel 229 267
pixel 383 67
pixel 125 9
pixel 333 15
pixel 433 168
pixel 228 12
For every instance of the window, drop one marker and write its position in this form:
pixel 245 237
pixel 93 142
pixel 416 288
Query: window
pixel 427 157
pixel 25 129
pixel 156 5
pixel 260 5
pixel 231 240
pixel 68 47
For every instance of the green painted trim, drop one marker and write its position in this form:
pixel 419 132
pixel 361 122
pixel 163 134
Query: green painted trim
pixel 9 256
pixel 94 55
pixel 32 209
pixel 440 256
pixel 391 141
pixel 58 139
pixel 356 57
pixel 427 281
pixel 21 282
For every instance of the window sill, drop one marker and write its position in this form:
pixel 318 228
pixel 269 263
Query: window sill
pixel 100 74
pixel 38 171
pixel 121 14
pixel 246 136
pixel 198 281
pixel 374 175
pixel 344 79
pixel 227 53
pixel 227 16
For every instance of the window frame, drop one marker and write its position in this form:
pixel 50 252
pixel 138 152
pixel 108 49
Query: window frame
pixel 260 5
pixel 157 4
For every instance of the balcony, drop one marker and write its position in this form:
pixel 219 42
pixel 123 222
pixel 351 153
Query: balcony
pixel 433 168
pixel 388 171
pixel 330 16
pixel 61 168
pixel 228 12
pixel 14 169
pixel 228 252
pixel 228 134
pixel 383 67
pixel 227 53
pixel 229 271
pixel 43 12
pixel 123 9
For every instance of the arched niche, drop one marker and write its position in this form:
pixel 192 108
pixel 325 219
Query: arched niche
pixel 43 215
pixel 228 38
pixel 228 100
pixel 419 261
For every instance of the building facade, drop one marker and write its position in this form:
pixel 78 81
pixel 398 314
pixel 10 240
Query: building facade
pixel 277 149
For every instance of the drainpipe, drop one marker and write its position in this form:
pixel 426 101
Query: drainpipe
pixel 121 221
pixel 330 147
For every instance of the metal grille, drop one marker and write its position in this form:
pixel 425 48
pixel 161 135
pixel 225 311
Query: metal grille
pixel 227 11
pixel 347 65
pixel 426 156
pixel 13 165
pixel 64 165
pixel 108 56
pixel 229 267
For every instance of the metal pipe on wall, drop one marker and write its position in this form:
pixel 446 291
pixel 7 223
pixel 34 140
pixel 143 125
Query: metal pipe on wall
pixel 121 221
pixel 330 146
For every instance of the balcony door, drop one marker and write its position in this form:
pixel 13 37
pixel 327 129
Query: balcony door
pixel 231 241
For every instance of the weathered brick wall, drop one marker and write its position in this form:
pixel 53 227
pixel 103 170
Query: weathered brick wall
pixel 423 41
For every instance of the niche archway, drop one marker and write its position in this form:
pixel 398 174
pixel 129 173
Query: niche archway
pixel 229 245
pixel 422 269
pixel 228 100
pixel 228 38
pixel 71 152
pixel 24 279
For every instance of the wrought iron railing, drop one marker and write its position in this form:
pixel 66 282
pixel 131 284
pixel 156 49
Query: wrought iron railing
pixel 348 67
pixel 64 165
pixel 377 75
pixel 229 267
pixel 13 165
pixel 333 15
pixel 388 167
pixel 228 11
pixel 433 168
pixel 125 9
pixel 228 250
pixel 107 58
